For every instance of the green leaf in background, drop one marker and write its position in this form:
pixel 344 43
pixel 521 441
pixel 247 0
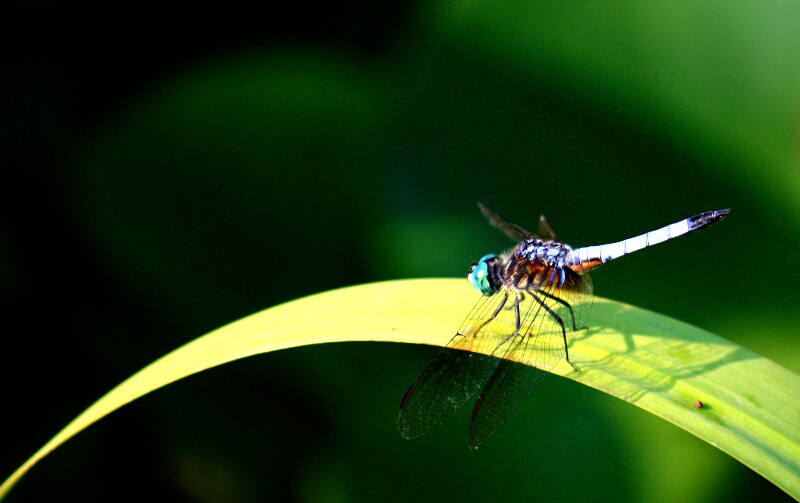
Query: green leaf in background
pixel 749 407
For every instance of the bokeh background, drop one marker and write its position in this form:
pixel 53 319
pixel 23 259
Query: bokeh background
pixel 166 178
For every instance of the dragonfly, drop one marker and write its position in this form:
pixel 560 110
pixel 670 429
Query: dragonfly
pixel 535 298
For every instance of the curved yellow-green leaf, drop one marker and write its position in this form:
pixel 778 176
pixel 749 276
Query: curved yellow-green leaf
pixel 750 404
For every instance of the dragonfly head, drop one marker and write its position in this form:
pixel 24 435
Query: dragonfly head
pixel 479 275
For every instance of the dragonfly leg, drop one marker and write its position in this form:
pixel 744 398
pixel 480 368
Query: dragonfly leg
pixel 565 304
pixel 517 299
pixel 494 315
pixel 558 320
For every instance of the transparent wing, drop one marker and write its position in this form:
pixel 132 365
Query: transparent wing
pixel 454 375
pixel 514 231
pixel 510 384
pixel 549 319
pixel 510 324
pixel 545 231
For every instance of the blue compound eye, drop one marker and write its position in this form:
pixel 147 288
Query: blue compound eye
pixel 479 275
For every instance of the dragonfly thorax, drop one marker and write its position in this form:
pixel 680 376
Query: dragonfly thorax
pixel 547 252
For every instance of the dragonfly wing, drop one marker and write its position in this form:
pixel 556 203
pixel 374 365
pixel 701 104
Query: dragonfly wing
pixel 545 230
pixel 550 318
pixel 458 371
pixel 510 384
pixel 449 380
pixel 514 231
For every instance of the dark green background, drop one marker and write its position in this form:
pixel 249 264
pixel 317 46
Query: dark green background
pixel 163 180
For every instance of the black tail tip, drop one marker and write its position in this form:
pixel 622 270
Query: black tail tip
pixel 718 215
pixel 707 218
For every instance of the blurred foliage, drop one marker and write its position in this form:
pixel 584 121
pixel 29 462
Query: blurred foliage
pixel 172 182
